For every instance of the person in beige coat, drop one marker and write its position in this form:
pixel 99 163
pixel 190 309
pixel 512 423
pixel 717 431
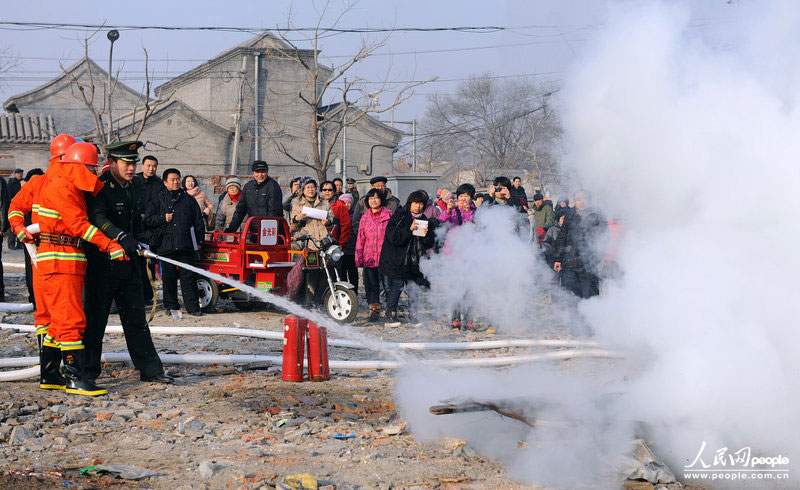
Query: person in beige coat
pixel 300 224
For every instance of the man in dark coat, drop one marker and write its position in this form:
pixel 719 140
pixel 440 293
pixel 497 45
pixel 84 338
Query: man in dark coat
pixel 178 230
pixel 115 211
pixel 519 192
pixel 579 248
pixel 403 249
pixel 501 192
pixel 262 196
pixel 14 186
pixel 150 186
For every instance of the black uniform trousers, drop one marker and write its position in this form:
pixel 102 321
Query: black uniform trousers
pixel 170 274
pixel 147 289
pixel 120 282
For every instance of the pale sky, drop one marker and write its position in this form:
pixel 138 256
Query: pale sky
pixel 548 36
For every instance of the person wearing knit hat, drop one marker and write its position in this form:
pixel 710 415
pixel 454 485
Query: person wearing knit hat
pixel 541 216
pixel 444 196
pixel 227 204
pixel 348 198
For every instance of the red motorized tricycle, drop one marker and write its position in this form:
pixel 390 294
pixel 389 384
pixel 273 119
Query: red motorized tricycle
pixel 257 256
pixel 260 256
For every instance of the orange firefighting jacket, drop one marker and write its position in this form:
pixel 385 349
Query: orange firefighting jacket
pixel 63 211
pixel 27 200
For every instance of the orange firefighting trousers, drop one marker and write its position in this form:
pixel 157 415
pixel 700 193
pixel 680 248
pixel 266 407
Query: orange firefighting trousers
pixel 63 297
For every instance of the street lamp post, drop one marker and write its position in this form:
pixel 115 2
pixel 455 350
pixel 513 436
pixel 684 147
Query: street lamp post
pixel 112 36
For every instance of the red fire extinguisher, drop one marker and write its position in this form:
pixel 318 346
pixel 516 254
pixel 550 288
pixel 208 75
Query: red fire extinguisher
pixel 318 353
pixel 294 336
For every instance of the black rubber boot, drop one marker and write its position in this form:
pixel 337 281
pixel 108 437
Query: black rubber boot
pixel 75 371
pixel 374 312
pixel 50 377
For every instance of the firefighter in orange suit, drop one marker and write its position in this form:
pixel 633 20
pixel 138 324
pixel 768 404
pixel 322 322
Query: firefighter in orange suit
pixel 28 200
pixel 64 227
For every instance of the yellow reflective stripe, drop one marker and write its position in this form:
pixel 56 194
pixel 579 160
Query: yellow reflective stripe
pixel 50 344
pixel 35 208
pixel 71 345
pixel 76 256
pixel 90 233
pixel 21 235
pixel 15 213
pixel 116 254
pixel 41 330
pixel 50 213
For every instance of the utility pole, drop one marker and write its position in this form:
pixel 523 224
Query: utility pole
pixel 344 135
pixel 257 75
pixel 414 138
pixel 238 119
pixel 112 36
pixel 413 124
pixel 344 144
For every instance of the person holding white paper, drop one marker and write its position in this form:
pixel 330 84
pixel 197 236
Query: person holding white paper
pixel 310 215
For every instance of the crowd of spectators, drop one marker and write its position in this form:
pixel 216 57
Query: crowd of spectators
pixel 383 239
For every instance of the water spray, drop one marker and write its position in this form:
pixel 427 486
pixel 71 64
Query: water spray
pixel 346 331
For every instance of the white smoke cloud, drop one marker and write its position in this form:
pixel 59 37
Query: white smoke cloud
pixel 489 268
pixel 694 148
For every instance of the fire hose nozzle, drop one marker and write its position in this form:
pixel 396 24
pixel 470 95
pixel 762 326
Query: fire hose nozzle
pixel 144 252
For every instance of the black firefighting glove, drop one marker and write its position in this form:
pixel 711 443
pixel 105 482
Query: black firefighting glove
pixel 129 244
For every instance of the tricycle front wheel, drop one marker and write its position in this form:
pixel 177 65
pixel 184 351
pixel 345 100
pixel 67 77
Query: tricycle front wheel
pixel 207 293
pixel 347 309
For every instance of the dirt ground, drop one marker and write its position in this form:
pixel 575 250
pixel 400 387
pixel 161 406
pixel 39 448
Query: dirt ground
pixel 227 426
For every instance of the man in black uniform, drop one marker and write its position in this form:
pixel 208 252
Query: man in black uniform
pixel 261 196
pixel 115 211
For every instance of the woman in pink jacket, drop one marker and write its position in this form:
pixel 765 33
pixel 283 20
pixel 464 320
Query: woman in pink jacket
pixel 457 213
pixel 371 231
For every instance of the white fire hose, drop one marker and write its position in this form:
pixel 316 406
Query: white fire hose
pixel 16 307
pixel 410 346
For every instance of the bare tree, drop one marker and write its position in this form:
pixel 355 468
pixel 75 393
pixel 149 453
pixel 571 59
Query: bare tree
pixel 489 125
pixel 87 92
pixel 326 83
pixel 8 61
pixel 146 106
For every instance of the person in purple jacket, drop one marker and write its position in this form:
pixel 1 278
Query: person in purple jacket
pixel 371 232
pixel 460 211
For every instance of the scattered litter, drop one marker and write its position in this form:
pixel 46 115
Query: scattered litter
pixel 342 436
pixel 454 479
pixel 300 481
pixel 120 470
pixel 208 468
pixel 645 466
pixel 393 430
pixel 281 422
